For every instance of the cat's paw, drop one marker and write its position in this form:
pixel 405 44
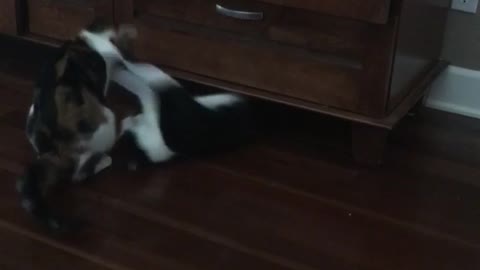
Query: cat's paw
pixel 104 163
pixel 128 123
pixel 93 166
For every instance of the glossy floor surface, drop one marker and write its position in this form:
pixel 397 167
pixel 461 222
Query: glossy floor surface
pixel 292 199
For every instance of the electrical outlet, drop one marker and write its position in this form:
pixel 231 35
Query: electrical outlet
pixel 469 6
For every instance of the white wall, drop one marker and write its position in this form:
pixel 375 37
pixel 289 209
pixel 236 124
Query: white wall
pixel 457 90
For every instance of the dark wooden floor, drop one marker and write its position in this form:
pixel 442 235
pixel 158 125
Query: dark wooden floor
pixel 291 200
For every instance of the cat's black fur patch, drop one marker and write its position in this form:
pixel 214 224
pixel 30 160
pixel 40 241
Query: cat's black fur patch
pixel 32 187
pixel 127 153
pixel 190 128
pixel 84 70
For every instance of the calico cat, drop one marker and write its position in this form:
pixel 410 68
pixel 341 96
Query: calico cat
pixel 69 125
pixel 72 129
pixel 172 122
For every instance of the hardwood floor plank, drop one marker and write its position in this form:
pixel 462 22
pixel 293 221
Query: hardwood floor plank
pixel 334 264
pixel 58 250
pixel 428 201
pixel 19 251
pixel 278 222
pixel 291 200
pixel 151 238
pixel 99 248
pixel 92 244
pixel 441 135
pixel 130 240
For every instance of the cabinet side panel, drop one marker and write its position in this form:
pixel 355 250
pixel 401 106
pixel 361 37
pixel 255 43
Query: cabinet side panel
pixel 8 17
pixel 419 45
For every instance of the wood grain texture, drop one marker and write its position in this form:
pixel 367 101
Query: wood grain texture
pixel 261 66
pixel 246 52
pixel 8 17
pixel 63 19
pixel 369 62
pixel 39 255
pixel 388 122
pixel 368 143
pixel 300 54
pixel 370 10
pixel 327 60
pixel 123 11
pixel 300 57
pixel 420 40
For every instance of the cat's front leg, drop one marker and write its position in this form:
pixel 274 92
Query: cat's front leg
pixel 128 125
pixel 90 165
pixel 104 163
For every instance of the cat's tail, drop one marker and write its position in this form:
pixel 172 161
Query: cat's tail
pixel 41 178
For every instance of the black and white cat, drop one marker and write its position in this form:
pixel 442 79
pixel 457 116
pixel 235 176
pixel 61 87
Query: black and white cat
pixel 72 129
pixel 172 122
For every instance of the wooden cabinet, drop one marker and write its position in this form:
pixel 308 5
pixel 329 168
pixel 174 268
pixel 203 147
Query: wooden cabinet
pixel 51 19
pixel 8 17
pixel 62 19
pixel 290 53
pixel 376 11
pixel 367 61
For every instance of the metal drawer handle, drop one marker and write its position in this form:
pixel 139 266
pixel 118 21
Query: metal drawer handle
pixel 239 14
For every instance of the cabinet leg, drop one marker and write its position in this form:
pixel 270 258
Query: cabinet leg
pixel 368 144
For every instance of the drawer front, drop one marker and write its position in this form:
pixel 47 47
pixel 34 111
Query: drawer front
pixel 8 18
pixel 376 11
pixel 204 12
pixel 279 70
pixel 63 19
pixel 291 52
pixel 280 25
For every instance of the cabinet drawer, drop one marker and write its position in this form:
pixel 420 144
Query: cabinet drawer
pixel 282 70
pixel 297 53
pixel 280 25
pixel 63 19
pixel 376 11
pixel 203 12
pixel 8 18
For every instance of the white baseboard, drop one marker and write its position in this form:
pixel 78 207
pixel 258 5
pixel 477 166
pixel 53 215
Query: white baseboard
pixel 457 90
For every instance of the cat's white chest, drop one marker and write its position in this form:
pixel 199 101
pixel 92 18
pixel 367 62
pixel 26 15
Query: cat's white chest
pixel 149 138
pixel 103 139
